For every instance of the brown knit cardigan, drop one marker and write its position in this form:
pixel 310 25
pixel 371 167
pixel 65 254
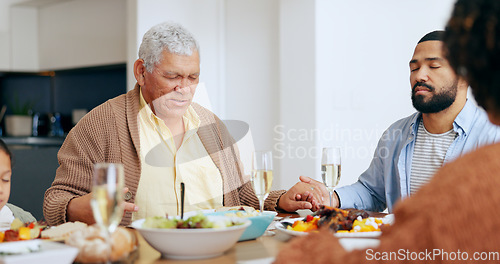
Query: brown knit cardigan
pixel 110 133
pixel 457 211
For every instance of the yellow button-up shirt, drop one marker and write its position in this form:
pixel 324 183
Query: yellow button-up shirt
pixel 164 167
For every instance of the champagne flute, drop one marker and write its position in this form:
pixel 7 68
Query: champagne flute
pixel 330 169
pixel 107 197
pixel 262 175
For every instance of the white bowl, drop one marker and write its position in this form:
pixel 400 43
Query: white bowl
pixel 192 243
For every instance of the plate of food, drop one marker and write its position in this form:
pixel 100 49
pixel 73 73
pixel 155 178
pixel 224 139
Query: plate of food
pixel 349 223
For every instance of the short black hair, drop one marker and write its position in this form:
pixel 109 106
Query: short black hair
pixel 5 149
pixel 434 35
pixel 472 46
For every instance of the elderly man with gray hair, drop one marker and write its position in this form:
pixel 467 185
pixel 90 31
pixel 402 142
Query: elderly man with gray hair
pixel 162 139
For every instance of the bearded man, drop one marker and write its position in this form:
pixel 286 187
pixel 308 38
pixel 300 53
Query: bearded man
pixel 446 126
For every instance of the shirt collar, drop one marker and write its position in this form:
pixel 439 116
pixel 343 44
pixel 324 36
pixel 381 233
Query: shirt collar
pixel 414 123
pixel 464 119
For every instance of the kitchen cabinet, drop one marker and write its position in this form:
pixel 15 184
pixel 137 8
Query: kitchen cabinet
pixel 33 172
pixel 61 91
pixel 61 34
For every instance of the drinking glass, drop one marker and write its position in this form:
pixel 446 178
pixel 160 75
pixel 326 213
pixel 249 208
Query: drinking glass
pixel 107 195
pixel 330 169
pixel 262 175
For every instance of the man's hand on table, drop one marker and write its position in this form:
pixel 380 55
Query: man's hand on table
pixel 306 194
pixel 79 209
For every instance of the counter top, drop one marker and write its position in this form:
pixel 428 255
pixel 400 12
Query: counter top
pixel 34 141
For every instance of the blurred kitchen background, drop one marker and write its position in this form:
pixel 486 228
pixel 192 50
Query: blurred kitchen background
pixel 302 73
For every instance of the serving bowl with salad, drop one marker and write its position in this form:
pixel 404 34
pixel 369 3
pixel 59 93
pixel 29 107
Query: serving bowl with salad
pixel 199 236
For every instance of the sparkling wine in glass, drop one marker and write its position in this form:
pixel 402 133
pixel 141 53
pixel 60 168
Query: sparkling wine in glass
pixel 330 169
pixel 262 175
pixel 107 195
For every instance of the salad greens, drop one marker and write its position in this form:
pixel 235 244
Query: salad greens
pixel 197 221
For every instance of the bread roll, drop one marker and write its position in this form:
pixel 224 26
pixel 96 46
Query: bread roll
pixel 124 242
pixel 93 248
pixel 61 232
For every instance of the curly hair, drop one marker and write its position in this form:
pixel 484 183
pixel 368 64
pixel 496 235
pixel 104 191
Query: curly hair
pixel 472 45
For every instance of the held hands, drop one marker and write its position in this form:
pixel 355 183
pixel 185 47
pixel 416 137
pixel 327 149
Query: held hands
pixel 306 194
pixel 79 209
pixel 324 192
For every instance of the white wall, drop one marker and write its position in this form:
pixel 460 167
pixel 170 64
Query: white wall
pixel 252 69
pixel 297 92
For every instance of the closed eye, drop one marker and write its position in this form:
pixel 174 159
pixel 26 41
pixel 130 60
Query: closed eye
pixel 173 77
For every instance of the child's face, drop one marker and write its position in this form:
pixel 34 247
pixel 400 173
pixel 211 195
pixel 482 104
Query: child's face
pixel 5 173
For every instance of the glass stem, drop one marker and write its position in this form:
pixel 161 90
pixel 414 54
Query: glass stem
pixel 331 201
pixel 261 205
pixel 107 235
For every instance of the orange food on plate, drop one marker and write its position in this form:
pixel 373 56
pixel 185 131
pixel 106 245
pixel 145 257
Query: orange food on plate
pixel 338 220
pixel 21 231
pixel 309 224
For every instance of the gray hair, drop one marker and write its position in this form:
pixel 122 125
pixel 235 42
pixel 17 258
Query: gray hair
pixel 166 36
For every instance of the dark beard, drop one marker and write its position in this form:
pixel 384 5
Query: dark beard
pixel 437 103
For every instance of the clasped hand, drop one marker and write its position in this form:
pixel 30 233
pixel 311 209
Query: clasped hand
pixel 306 194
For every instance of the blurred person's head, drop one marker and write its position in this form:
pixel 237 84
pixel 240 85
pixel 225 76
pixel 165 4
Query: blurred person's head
pixel 472 40
pixel 5 173
pixel 168 69
pixel 434 84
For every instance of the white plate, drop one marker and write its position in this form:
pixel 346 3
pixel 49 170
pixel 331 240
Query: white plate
pixel 374 234
pixel 285 234
pixel 359 243
pixel 50 252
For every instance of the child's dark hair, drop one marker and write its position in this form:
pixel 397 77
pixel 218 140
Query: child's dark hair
pixel 5 149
